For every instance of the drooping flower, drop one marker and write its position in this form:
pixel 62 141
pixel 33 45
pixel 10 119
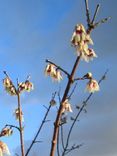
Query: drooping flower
pixel 88 54
pixel 6 132
pixel 66 106
pixel 18 113
pixel 4 149
pixel 52 71
pixel 28 86
pixel 58 77
pixel 25 86
pixel 9 87
pixel 92 86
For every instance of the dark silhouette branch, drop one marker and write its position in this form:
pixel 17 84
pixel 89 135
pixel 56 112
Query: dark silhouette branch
pixel 38 132
pixel 78 114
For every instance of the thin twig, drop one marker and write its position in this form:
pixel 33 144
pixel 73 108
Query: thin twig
pixel 87 13
pixel 62 139
pixel 64 71
pixel 79 112
pixel 12 126
pixel 38 132
pixel 73 148
pixel 69 97
pixel 104 20
pixel 95 14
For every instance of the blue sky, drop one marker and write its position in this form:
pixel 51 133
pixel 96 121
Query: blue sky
pixel 34 30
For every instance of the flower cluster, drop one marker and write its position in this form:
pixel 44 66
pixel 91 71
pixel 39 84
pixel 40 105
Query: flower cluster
pixel 66 106
pixel 52 71
pixel 9 87
pixel 6 132
pixel 4 149
pixel 25 86
pixel 80 39
pixel 18 113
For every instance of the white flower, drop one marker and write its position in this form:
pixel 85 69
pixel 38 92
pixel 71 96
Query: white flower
pixel 52 71
pixel 6 132
pixel 92 86
pixel 66 106
pixel 9 87
pixel 88 54
pixel 4 149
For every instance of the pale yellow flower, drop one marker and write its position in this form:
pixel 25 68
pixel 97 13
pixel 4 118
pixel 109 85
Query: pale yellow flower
pixel 88 54
pixel 6 132
pixel 28 86
pixel 92 86
pixel 17 114
pixel 4 149
pixel 66 106
pixel 9 87
pixel 58 77
pixel 52 71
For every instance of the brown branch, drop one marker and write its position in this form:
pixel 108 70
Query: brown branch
pixel 87 13
pixel 58 67
pixel 20 125
pixel 57 122
pixel 78 114
pixel 58 152
pixel 95 14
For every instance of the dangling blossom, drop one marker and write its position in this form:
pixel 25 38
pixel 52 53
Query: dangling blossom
pixel 92 86
pixel 4 149
pixel 6 132
pixel 88 55
pixel 9 87
pixel 25 86
pixel 28 86
pixel 52 71
pixel 58 77
pixel 66 106
pixel 18 113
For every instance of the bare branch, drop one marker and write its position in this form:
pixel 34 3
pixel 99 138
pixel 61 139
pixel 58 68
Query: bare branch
pixel 74 147
pixel 12 126
pixel 64 71
pixel 87 13
pixel 104 20
pixel 69 97
pixel 78 114
pixel 38 132
pixel 95 14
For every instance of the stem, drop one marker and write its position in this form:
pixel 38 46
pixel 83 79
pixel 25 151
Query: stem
pixel 56 125
pixel 20 125
pixel 34 140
